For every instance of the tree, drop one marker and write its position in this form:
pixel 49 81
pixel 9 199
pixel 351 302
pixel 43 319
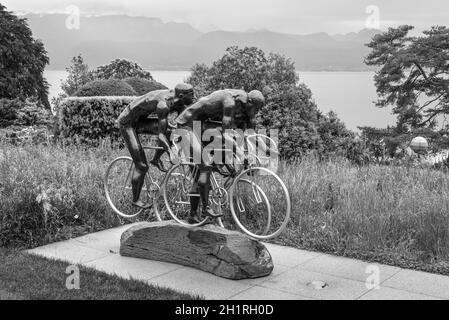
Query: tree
pixel 78 76
pixel 413 75
pixel 121 69
pixel 22 61
pixel 290 108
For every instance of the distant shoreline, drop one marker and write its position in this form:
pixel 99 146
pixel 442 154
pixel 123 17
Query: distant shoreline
pixel 188 70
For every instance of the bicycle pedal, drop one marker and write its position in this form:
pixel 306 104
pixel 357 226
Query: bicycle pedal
pixel 193 195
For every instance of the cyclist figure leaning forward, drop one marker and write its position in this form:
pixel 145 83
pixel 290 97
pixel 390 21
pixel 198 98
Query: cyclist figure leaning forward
pixel 136 119
pixel 228 109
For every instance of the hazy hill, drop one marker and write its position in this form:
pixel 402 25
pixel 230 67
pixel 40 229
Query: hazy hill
pixel 159 45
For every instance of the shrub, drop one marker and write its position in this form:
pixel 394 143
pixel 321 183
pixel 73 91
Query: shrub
pixel 143 86
pixel 26 135
pixel 111 87
pixel 121 69
pixel 90 119
pixel 23 113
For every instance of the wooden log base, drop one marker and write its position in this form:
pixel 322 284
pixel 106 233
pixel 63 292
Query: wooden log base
pixel 227 254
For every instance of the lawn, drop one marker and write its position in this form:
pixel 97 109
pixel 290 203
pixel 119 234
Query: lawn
pixel 389 214
pixel 24 276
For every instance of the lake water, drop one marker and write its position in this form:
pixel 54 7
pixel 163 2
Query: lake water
pixel 350 94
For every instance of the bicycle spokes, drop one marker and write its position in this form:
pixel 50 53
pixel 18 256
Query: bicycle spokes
pixel 260 203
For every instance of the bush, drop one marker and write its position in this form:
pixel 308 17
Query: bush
pixel 121 69
pixel 23 113
pixel 111 87
pixel 90 119
pixel 143 86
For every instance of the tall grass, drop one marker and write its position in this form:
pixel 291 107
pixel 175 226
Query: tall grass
pixel 49 193
pixel 398 214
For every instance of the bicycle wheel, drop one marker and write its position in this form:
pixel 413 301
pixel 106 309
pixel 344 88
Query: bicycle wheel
pixel 252 199
pixel 176 192
pixel 118 189
pixel 261 185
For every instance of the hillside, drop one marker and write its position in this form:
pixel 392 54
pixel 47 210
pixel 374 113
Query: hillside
pixel 169 45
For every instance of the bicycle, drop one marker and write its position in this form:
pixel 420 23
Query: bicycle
pixel 246 195
pixel 118 188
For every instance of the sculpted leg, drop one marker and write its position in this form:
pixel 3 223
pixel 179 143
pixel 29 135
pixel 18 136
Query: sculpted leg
pixel 156 161
pixel 151 127
pixel 138 155
pixel 194 201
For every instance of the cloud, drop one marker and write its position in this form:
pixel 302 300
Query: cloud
pixel 292 16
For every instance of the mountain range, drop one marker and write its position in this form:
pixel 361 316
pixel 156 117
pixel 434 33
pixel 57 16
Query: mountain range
pixel 160 45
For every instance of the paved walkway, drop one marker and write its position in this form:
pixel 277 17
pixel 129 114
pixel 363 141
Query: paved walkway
pixel 298 274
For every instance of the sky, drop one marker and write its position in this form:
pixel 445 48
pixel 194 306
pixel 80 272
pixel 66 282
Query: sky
pixel 287 16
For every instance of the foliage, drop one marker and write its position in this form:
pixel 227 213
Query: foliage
pixel 78 76
pixel 289 108
pixel 412 75
pixel 87 120
pixel 22 113
pixel 143 86
pixel 121 69
pixel 390 143
pixel 336 139
pixel 22 61
pixel 291 111
pixel 18 136
pixel 103 88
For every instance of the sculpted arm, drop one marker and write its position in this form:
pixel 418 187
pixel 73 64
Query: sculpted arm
pixel 162 113
pixel 228 113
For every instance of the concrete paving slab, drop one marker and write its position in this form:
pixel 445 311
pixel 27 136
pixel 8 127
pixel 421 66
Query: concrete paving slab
pixel 278 270
pixel 69 251
pixel 308 284
pixel 107 240
pixel 201 283
pixel 348 268
pixel 385 293
pixel 261 293
pixel 290 257
pixel 298 274
pixel 131 267
pixel 420 282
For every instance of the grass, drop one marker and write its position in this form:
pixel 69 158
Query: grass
pixel 393 215
pixel 51 193
pixel 389 214
pixel 24 276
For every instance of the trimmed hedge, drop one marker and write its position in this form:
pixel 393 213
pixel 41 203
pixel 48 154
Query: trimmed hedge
pixel 111 87
pixel 143 86
pixel 88 120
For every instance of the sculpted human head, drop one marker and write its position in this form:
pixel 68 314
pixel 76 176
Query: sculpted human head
pixel 185 93
pixel 256 98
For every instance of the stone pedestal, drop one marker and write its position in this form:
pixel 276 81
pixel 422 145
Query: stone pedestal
pixel 225 253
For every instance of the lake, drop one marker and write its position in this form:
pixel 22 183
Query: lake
pixel 350 94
